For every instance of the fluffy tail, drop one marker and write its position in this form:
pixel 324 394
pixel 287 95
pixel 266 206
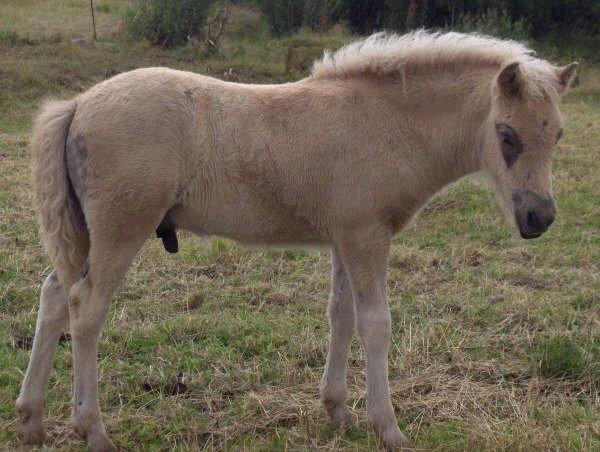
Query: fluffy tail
pixel 62 224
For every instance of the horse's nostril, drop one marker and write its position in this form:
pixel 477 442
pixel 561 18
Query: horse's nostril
pixel 538 220
pixel 531 218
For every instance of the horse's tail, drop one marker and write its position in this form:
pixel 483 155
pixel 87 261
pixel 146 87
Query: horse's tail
pixel 62 225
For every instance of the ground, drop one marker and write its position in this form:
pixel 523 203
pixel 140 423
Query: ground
pixel 496 341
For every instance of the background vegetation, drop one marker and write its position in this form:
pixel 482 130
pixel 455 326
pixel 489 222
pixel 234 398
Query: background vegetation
pixel 496 341
pixel 165 22
pixel 573 19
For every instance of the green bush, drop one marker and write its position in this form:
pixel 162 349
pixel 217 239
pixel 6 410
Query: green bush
pixel 166 22
pixel 283 16
pixel 544 16
pixel 246 22
pixel 317 14
pixel 494 23
pixel 287 16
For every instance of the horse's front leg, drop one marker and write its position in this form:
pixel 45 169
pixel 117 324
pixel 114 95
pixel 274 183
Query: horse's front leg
pixel 365 259
pixel 341 320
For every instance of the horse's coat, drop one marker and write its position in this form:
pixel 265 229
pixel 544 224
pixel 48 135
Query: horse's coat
pixel 343 158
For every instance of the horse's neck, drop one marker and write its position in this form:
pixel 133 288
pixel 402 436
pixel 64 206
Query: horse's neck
pixel 450 117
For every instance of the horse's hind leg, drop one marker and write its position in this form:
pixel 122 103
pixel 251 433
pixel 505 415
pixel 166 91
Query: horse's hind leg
pixel 112 248
pixel 341 320
pixel 52 318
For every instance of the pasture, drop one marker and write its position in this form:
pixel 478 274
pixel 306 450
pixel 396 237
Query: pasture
pixel 496 340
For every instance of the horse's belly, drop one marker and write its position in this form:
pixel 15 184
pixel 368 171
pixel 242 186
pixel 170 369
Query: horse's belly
pixel 250 224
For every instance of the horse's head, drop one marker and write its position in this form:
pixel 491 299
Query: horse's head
pixel 524 126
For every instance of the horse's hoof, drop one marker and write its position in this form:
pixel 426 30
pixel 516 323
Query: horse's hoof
pixel 339 418
pixel 100 442
pixel 337 411
pixel 32 434
pixel 32 431
pixel 393 439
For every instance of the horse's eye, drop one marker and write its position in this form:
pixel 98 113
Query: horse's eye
pixel 509 151
pixel 510 143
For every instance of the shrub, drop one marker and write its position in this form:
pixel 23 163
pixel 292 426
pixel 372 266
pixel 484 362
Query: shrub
pixel 544 16
pixel 494 23
pixel 317 14
pixel 361 16
pixel 166 22
pixel 246 22
pixel 284 17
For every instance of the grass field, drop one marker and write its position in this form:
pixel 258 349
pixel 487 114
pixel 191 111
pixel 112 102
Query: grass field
pixel 496 341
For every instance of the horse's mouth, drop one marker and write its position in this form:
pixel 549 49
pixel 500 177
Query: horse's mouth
pixel 530 235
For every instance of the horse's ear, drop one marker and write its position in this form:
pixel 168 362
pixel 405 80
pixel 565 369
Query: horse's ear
pixel 565 75
pixel 510 80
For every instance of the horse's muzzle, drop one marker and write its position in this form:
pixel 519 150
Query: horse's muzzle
pixel 534 214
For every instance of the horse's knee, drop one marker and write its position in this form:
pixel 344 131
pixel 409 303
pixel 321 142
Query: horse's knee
pixel 52 288
pixel 86 314
pixel 340 309
pixel 78 295
pixel 53 301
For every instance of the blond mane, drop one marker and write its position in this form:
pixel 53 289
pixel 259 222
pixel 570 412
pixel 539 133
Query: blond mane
pixel 391 55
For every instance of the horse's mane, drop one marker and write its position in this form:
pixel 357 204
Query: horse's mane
pixel 391 55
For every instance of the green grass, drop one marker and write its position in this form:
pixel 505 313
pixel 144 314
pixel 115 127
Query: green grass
pixel 568 358
pixel 496 341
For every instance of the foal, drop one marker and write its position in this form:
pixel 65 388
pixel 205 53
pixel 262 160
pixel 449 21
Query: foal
pixel 343 158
